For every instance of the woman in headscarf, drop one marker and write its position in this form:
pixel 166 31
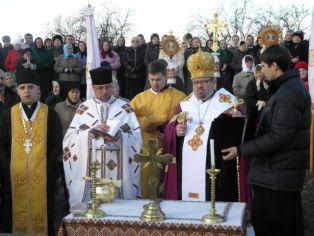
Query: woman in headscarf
pixel 226 73
pixel 44 61
pixel 242 79
pixel 13 55
pixel 82 57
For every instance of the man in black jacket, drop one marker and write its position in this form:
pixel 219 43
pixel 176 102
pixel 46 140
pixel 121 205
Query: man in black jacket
pixel 280 150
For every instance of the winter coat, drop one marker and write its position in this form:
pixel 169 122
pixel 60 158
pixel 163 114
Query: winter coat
pixel 11 60
pixel 70 63
pixel 280 151
pixel 151 53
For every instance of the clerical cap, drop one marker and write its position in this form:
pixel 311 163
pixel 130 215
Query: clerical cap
pixel 26 76
pixel 101 75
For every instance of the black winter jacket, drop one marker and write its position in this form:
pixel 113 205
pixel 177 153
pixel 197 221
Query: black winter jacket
pixel 280 150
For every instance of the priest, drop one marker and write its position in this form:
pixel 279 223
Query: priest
pixel 113 124
pixel 202 116
pixel 30 143
pixel 154 108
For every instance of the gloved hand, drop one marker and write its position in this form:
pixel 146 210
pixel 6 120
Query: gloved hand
pixel 65 69
pixel 260 105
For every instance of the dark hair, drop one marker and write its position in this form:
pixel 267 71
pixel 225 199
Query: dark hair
pixel 28 34
pixel 154 35
pixel 46 40
pixel 109 52
pixel 156 67
pixel 39 38
pixel 142 36
pixel 234 36
pixel 188 36
pixel 242 42
pixel 82 54
pixel 248 58
pixel 278 54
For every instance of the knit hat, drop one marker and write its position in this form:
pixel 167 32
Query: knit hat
pixel 298 33
pixel 57 37
pixel 302 65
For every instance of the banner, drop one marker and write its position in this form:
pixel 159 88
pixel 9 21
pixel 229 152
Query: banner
pixel 93 55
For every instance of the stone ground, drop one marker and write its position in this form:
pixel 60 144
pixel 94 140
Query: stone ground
pixel 308 204
pixel 307 201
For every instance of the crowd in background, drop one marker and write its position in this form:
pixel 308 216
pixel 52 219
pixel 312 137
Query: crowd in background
pixel 61 65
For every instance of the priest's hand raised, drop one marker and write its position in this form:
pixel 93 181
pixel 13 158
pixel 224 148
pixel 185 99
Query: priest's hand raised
pixel 230 153
pixel 180 129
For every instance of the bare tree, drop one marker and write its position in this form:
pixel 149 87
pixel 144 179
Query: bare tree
pixel 110 24
pixel 244 17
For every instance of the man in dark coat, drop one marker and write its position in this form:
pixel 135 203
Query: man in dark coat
pixel 30 143
pixel 280 150
pixel 152 50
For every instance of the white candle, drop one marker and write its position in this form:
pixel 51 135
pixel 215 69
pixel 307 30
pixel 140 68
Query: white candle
pixel 212 153
pixel 93 150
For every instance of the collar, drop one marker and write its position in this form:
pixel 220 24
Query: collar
pixel 29 113
pixel 111 100
pixel 279 81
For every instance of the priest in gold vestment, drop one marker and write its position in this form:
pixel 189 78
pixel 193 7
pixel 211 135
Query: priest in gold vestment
pixel 154 108
pixel 30 142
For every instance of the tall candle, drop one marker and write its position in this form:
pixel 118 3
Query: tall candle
pixel 93 150
pixel 212 153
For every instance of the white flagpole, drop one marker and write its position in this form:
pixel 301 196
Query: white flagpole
pixel 93 55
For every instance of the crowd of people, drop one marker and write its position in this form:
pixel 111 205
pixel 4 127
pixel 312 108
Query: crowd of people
pixel 61 63
pixel 133 92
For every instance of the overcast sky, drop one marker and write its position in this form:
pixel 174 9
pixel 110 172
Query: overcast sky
pixel 161 16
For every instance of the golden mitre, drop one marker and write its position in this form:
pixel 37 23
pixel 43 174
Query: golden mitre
pixel 201 64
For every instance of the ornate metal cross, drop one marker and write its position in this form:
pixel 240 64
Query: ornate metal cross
pixel 154 159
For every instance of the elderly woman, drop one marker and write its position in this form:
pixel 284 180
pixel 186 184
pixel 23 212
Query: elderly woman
pixel 303 68
pixel 135 70
pixel 68 68
pixel 9 95
pixel 242 79
pixel 55 95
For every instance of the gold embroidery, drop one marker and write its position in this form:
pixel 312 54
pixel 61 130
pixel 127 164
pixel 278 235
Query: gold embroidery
pixel 223 98
pixel 194 195
pixel 28 172
pixel 195 142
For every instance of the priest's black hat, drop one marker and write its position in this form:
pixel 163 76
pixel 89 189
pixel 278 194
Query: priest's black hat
pixel 101 76
pixel 26 76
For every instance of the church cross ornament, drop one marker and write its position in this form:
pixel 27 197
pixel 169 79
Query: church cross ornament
pixel 27 145
pixel 154 159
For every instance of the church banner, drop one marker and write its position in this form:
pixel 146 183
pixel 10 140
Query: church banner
pixel 93 55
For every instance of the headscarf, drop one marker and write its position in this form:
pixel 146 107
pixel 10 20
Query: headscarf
pixel 244 67
pixel 65 51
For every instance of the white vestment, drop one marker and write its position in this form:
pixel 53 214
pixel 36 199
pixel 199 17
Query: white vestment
pixel 116 158
pixel 194 151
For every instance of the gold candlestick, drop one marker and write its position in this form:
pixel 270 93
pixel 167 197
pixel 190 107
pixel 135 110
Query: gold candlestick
pixel 94 212
pixel 212 217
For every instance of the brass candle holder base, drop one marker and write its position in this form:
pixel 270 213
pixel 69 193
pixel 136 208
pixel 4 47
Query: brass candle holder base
pixel 89 214
pixel 152 212
pixel 93 212
pixel 212 217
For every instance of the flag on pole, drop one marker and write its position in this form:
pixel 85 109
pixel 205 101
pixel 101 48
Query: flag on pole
pixel 311 86
pixel 93 55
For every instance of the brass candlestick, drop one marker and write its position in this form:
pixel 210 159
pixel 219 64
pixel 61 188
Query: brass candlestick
pixel 212 217
pixel 94 212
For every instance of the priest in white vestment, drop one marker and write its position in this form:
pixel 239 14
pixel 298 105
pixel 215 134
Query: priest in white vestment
pixel 113 124
pixel 188 139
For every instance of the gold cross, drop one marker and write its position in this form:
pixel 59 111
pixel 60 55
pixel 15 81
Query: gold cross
pixel 215 26
pixel 154 159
